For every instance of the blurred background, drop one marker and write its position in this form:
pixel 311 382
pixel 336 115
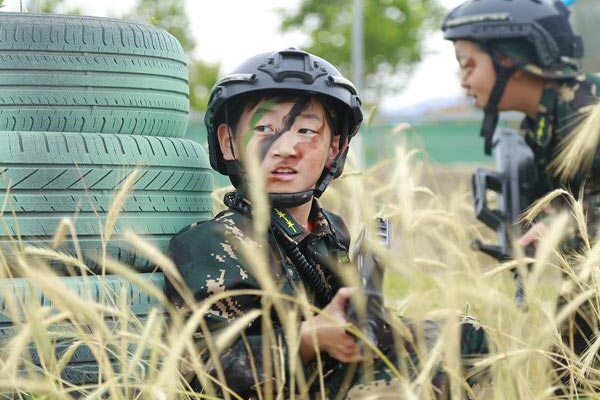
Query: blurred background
pixel 392 49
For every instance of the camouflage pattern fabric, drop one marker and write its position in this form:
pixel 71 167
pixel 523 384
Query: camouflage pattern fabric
pixel 560 110
pixel 562 107
pixel 217 256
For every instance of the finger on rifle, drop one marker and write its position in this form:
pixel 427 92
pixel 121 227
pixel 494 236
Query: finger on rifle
pixel 343 294
pixel 533 234
pixel 348 352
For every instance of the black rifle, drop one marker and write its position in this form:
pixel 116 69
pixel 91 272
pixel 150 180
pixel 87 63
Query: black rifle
pixel 516 183
pixel 370 317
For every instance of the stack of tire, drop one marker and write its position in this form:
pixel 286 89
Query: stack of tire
pixel 84 101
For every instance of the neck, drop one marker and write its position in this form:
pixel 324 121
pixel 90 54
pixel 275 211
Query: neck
pixel 301 213
pixel 527 94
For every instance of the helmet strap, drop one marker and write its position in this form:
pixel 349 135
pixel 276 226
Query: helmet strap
pixel 290 200
pixel 238 179
pixel 331 171
pixel 229 132
pixel 287 200
pixel 237 176
pixel 490 111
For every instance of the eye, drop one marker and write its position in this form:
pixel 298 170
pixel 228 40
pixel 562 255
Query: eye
pixel 466 63
pixel 264 129
pixel 307 131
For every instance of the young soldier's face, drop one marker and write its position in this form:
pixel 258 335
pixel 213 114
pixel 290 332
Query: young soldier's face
pixel 292 143
pixel 477 74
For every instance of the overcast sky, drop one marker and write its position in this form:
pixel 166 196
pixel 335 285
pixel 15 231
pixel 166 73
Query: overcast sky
pixel 230 31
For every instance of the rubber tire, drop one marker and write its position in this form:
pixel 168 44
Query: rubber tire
pixel 51 176
pixel 64 73
pixel 82 367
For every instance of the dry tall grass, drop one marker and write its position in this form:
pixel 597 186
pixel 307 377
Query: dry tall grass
pixel 432 273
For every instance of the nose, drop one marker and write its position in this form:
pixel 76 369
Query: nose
pixel 285 145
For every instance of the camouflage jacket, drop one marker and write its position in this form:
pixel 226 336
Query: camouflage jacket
pixel 219 256
pixel 559 112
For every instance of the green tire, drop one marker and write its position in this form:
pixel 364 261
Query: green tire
pixel 46 177
pixel 16 295
pixel 63 73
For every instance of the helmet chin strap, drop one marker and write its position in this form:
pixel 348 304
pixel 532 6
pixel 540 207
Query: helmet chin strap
pixel 237 176
pixel 288 200
pixel 490 111
pixel 236 173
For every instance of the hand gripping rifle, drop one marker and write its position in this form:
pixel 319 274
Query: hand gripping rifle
pixel 370 317
pixel 516 183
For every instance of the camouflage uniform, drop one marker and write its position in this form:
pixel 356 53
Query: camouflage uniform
pixel 560 110
pixel 212 258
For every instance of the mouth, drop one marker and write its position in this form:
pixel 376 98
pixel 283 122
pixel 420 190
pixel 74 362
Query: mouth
pixel 472 98
pixel 284 173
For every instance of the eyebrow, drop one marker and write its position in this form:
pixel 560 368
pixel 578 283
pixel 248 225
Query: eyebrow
pixel 310 116
pixel 265 109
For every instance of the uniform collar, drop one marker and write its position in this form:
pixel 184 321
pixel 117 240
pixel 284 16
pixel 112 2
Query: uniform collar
pixel 543 124
pixel 286 222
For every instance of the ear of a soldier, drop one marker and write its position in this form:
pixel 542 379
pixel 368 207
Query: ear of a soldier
pixel 506 61
pixel 334 148
pixel 225 142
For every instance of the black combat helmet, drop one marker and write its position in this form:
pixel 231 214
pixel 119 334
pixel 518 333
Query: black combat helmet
pixel 543 24
pixel 504 28
pixel 285 71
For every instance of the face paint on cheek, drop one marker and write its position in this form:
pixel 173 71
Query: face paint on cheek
pixel 260 112
pixel 316 140
pixel 244 140
pixel 246 135
pixel 289 120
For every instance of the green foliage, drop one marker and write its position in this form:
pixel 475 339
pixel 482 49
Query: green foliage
pixel 203 76
pixel 393 35
pixel 171 16
pixel 52 7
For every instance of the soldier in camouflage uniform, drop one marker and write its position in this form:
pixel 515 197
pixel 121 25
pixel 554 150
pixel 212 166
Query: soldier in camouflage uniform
pixel 523 56
pixel 296 114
